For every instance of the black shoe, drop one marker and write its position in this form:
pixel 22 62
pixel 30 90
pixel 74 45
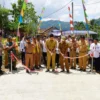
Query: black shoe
pixel 6 67
pixel 33 69
pixel 15 69
pixel 1 72
pixel 72 67
pixel 53 70
pixel 62 70
pixel 40 66
pixel 27 71
pixel 47 70
pixel 37 67
pixel 81 69
pixel 68 71
pixel 57 65
pixel 84 70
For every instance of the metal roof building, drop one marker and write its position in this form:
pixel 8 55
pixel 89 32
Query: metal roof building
pixel 76 32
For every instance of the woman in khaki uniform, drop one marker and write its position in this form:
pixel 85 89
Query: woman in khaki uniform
pixel 16 45
pixel 5 55
pixel 36 53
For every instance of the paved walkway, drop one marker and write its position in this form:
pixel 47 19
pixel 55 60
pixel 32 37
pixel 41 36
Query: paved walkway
pixel 48 86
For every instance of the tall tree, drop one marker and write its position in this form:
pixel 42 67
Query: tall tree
pixel 29 19
pixel 15 12
pixel 79 26
pixel 4 13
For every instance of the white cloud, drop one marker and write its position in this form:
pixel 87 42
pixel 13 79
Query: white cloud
pixel 93 10
pixel 48 2
pixel 46 19
pixel 64 17
pixel 53 5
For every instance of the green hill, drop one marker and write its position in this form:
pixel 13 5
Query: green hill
pixel 55 23
pixel 64 25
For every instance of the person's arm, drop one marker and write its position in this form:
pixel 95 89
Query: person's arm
pixel 92 48
pixel 46 45
pixel 53 51
pixel 59 47
pixel 67 46
pixel 97 48
pixel 21 46
pixel 13 45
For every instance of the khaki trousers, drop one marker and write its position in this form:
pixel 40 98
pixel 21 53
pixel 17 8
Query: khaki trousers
pixel 82 61
pixel 36 59
pixel 49 58
pixel 73 61
pixel 29 60
pixel 63 60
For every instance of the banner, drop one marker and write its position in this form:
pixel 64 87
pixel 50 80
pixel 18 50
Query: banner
pixel 20 19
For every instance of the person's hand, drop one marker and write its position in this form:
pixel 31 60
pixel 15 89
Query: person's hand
pixel 53 51
pixel 33 45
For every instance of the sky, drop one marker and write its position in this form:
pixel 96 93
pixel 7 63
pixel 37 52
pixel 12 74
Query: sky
pixel 92 9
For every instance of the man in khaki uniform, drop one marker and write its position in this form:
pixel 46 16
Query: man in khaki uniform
pixel 51 45
pixel 73 47
pixel 63 48
pixel 29 54
pixel 83 48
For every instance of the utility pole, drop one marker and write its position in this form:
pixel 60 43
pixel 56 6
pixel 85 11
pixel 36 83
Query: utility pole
pixel 72 10
pixel 73 14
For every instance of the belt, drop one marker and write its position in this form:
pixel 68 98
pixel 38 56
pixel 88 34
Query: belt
pixel 51 49
pixel 72 50
pixel 28 53
pixel 83 51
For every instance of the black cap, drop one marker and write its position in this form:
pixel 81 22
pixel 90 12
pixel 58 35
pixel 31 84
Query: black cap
pixel 38 35
pixel 82 37
pixel 96 39
pixel 51 35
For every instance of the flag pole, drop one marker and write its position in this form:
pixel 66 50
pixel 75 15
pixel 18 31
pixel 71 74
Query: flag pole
pixel 85 15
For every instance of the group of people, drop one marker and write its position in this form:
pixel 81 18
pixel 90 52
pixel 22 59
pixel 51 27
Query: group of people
pixel 9 46
pixel 60 52
pixel 54 52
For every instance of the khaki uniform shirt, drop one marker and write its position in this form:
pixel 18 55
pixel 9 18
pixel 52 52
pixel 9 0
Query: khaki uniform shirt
pixel 83 47
pixel 36 48
pixel 29 48
pixel 63 46
pixel 51 44
pixel 73 46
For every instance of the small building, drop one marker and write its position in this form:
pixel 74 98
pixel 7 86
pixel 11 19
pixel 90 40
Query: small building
pixel 48 31
pixel 79 32
pixel 57 32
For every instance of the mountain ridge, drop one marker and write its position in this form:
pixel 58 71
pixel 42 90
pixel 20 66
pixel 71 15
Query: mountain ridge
pixel 64 25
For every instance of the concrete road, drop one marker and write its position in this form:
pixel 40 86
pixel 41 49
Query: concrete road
pixel 49 86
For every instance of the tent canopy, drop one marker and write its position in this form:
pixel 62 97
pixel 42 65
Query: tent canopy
pixel 76 32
